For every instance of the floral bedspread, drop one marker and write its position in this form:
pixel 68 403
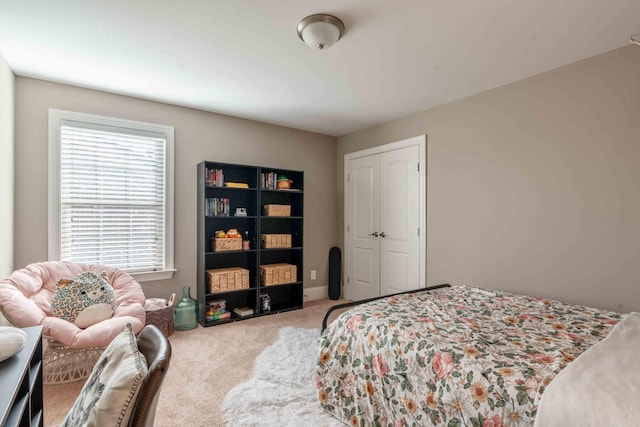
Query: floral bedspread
pixel 457 356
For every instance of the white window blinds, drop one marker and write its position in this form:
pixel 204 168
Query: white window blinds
pixel 113 196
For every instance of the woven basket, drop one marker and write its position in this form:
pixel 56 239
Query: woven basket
pixel 277 210
pixel 278 274
pixel 225 279
pixel 275 240
pixel 227 244
pixel 162 319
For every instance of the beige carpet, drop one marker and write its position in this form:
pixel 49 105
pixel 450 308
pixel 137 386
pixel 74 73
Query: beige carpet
pixel 206 363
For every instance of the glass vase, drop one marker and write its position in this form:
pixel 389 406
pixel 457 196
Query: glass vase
pixel 186 312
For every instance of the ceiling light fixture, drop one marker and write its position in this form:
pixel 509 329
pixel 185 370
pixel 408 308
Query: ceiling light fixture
pixel 635 39
pixel 320 30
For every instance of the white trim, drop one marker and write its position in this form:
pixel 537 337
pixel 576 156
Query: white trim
pixel 421 142
pixel 54 185
pixel 315 293
pixel 153 275
pixel 55 119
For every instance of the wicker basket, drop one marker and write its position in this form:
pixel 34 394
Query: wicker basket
pixel 277 210
pixel 278 274
pixel 228 279
pixel 63 364
pixel 163 319
pixel 226 244
pixel 276 240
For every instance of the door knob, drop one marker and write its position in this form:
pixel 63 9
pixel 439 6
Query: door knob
pixel 382 234
pixel 374 234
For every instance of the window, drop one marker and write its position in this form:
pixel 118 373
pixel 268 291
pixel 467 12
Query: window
pixel 111 193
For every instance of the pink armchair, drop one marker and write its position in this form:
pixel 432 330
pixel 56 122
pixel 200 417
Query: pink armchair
pixel 25 300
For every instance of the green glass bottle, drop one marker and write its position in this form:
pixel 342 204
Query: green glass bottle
pixel 186 312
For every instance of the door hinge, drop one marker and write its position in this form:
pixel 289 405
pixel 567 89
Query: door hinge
pixel 348 177
pixel 418 231
pixel 347 279
pixel 418 167
pixel 348 229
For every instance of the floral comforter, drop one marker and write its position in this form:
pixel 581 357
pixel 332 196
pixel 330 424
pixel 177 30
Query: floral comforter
pixel 456 356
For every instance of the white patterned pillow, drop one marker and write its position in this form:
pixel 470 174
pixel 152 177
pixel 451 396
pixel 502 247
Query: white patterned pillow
pixel 109 395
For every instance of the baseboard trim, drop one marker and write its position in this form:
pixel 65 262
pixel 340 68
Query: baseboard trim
pixel 318 292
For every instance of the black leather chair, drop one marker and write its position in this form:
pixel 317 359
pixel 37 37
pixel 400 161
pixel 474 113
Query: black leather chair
pixel 157 350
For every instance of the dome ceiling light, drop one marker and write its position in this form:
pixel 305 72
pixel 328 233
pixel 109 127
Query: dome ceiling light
pixel 320 31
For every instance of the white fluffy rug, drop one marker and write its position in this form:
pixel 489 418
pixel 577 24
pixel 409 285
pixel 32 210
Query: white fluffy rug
pixel 281 391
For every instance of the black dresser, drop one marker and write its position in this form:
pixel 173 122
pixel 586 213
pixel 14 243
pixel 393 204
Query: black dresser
pixel 21 384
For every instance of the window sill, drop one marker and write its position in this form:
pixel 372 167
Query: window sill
pixel 153 275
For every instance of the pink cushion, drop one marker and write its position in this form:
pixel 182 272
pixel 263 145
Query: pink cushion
pixel 25 300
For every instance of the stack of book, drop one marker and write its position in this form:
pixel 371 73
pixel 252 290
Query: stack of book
pixel 236 185
pixel 243 311
pixel 219 316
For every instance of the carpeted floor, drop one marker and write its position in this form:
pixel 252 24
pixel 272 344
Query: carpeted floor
pixel 206 364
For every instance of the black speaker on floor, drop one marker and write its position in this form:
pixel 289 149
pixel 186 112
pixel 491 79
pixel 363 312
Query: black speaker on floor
pixel 335 272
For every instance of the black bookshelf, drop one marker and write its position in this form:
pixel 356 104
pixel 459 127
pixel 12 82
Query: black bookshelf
pixel 225 189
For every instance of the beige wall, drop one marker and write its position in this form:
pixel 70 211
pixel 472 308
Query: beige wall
pixel 535 187
pixel 7 90
pixel 198 136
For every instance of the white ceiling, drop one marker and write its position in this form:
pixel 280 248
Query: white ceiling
pixel 243 57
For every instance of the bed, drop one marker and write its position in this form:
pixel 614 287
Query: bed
pixel 463 356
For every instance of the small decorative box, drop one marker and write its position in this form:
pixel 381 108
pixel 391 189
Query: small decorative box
pixel 217 306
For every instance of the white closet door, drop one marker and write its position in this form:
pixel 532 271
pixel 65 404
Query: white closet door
pixel 363 266
pixel 399 220
pixel 383 204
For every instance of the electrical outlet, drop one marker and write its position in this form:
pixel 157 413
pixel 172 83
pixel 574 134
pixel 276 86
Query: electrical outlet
pixel 313 275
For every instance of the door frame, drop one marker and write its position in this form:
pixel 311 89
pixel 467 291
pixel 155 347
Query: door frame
pixel 421 142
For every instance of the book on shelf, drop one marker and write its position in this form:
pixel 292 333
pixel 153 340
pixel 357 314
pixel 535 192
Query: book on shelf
pixel 269 180
pixel 214 178
pixel 236 185
pixel 243 311
pixel 219 316
pixel 216 207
